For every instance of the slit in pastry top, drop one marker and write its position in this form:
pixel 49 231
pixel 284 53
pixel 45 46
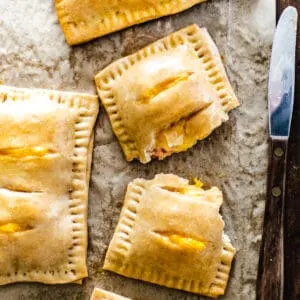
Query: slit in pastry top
pixel 164 85
pixel 11 227
pixel 181 241
pixel 22 152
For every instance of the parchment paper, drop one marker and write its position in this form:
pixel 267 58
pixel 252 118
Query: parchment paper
pixel 33 53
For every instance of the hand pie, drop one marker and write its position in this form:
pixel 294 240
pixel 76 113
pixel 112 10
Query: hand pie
pixel 167 96
pixel 99 294
pixel 171 233
pixel 85 20
pixel 45 157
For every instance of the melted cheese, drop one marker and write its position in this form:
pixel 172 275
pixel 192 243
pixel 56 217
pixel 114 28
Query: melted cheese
pixel 198 183
pixel 14 227
pixel 190 190
pixel 164 85
pixel 187 242
pixel 182 241
pixel 24 151
pixel 10 228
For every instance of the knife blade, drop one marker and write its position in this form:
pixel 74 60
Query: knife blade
pixel 270 281
pixel 282 75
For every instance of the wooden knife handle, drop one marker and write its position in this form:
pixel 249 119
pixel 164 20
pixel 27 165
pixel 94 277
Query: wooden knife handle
pixel 270 270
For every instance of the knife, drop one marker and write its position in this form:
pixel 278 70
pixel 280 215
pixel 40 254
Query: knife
pixel 270 278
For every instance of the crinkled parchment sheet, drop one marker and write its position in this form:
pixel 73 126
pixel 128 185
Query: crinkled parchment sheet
pixel 33 53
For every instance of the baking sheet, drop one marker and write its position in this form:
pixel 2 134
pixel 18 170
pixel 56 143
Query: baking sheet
pixel 33 53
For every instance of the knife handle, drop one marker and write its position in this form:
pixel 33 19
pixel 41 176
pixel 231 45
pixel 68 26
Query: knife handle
pixel 270 269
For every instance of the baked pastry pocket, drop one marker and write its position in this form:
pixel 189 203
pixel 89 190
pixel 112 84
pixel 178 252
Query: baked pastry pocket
pixel 171 233
pixel 100 294
pixel 45 155
pixel 82 21
pixel 167 96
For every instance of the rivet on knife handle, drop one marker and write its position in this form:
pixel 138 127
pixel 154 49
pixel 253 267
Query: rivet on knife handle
pixel 270 272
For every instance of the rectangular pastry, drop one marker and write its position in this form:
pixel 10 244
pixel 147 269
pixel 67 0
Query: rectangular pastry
pixel 171 233
pixel 84 20
pixel 100 294
pixel 46 141
pixel 167 96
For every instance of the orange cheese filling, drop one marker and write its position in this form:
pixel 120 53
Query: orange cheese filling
pixel 190 190
pixel 164 85
pixel 187 242
pixel 182 241
pixel 25 151
pixel 10 228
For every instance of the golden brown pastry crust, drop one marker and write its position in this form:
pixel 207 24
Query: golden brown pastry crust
pixel 45 153
pixel 100 294
pixel 84 20
pixel 171 233
pixel 167 96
